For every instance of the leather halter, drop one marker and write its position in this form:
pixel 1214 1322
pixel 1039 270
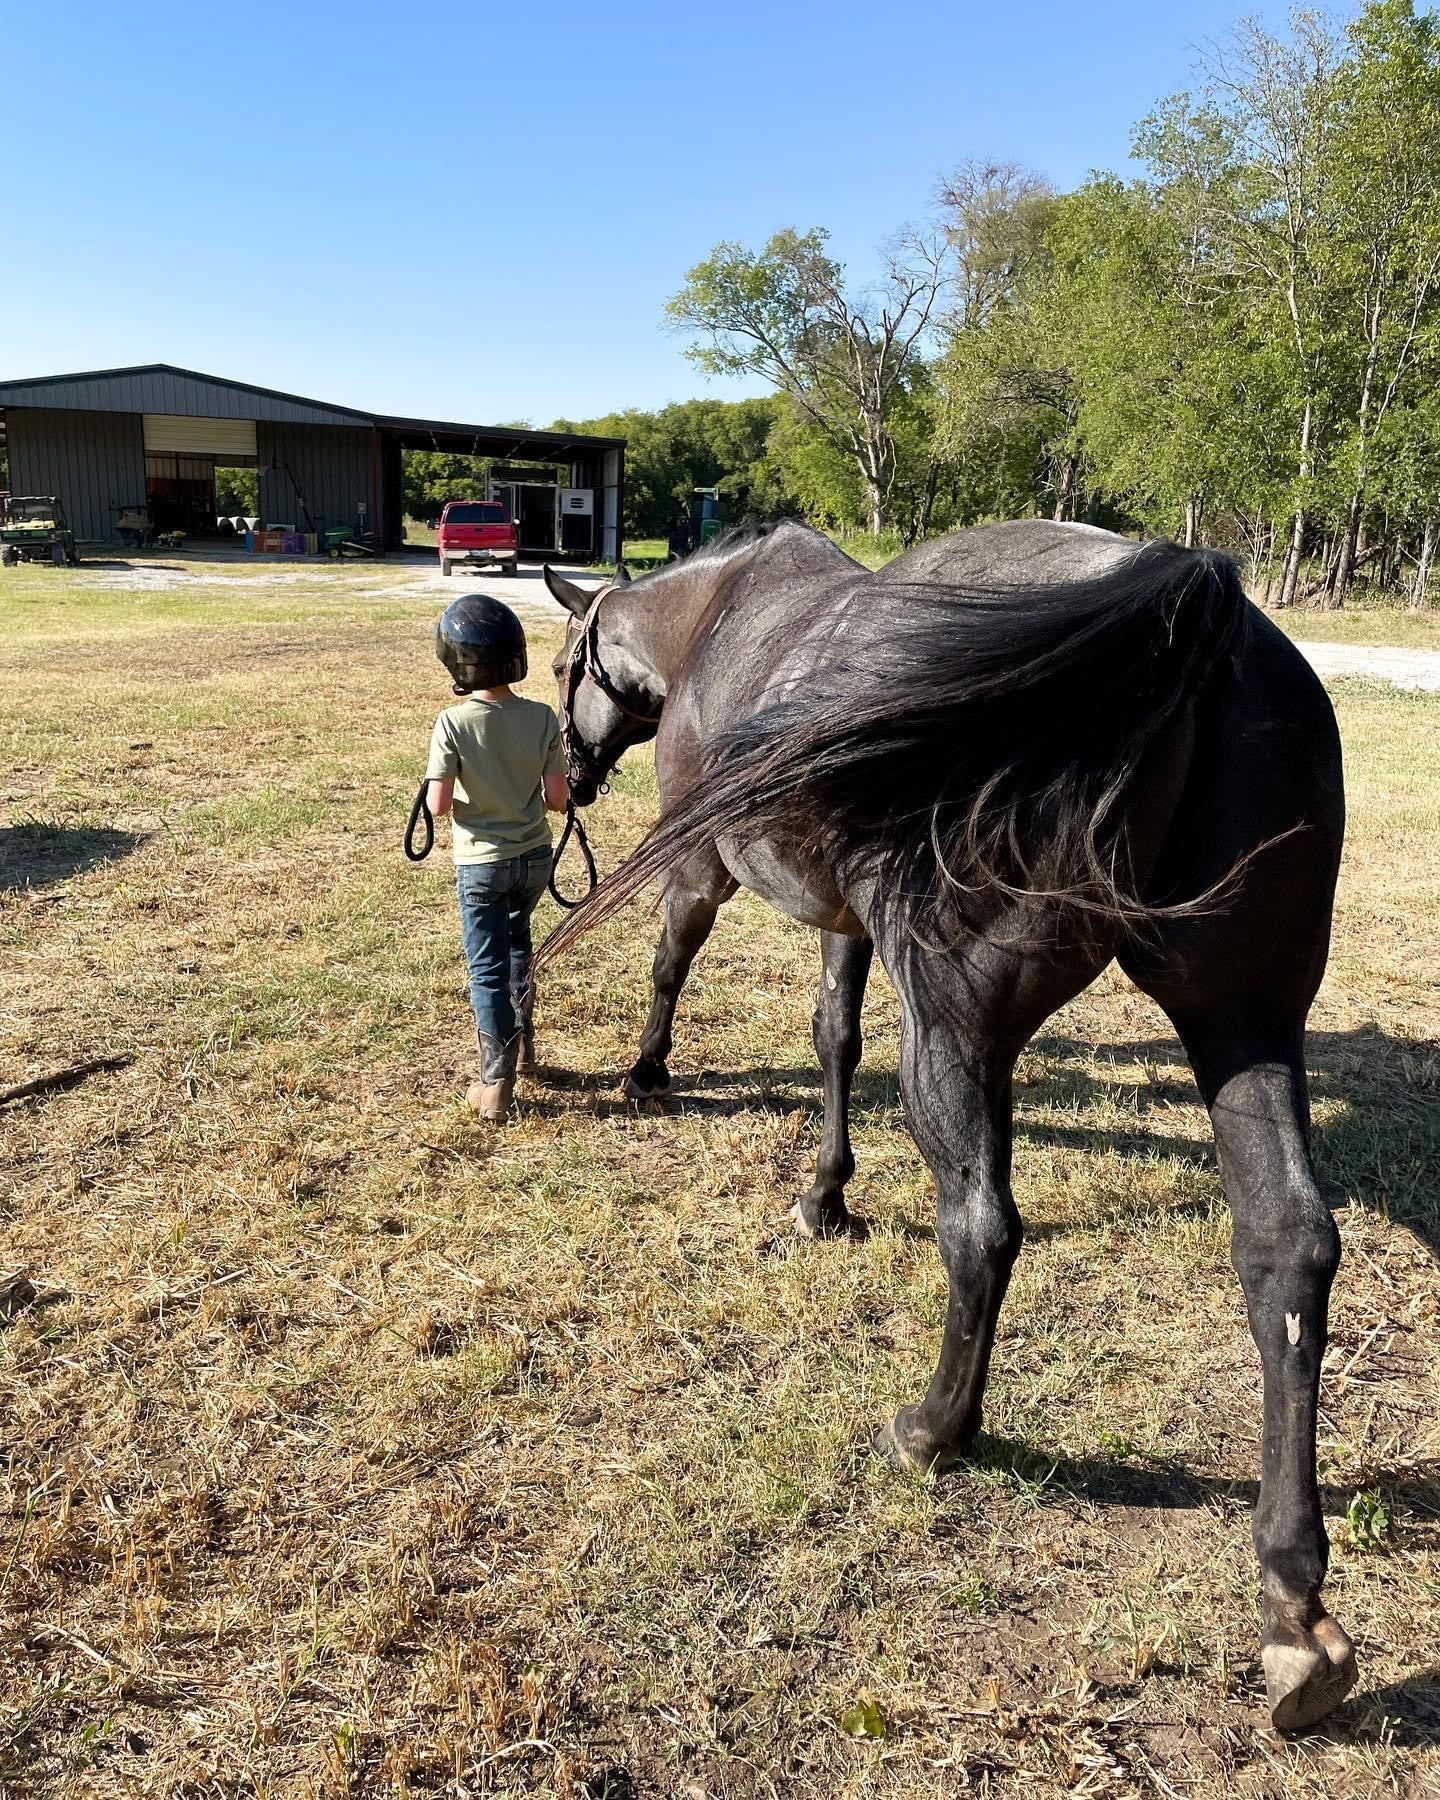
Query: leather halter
pixel 585 665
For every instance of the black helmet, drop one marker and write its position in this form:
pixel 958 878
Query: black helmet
pixel 481 643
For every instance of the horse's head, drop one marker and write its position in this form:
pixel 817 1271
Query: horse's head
pixel 610 692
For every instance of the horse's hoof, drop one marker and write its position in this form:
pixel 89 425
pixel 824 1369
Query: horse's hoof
pixel 644 1083
pixel 1305 1681
pixel 906 1444
pixel 842 1224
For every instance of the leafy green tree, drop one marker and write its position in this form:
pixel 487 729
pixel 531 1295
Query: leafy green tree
pixel 1154 330
pixel 785 313
pixel 1006 412
pixel 690 444
pixel 1258 144
pixel 1010 404
pixel 1386 186
pixel 1405 469
pixel 431 477
pixel 996 215
pixel 237 491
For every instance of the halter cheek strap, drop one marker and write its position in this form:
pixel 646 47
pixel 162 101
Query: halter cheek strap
pixel 585 665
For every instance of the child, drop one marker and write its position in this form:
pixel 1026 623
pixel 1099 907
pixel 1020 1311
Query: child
pixel 496 759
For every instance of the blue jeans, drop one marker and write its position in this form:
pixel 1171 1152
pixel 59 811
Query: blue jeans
pixel 496 901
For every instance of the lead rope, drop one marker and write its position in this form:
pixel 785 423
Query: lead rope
pixel 420 814
pixel 420 810
pixel 573 824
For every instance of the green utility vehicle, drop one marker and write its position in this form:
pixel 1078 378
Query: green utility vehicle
pixel 33 529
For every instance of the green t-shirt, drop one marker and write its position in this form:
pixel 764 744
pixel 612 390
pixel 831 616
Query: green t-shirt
pixel 496 751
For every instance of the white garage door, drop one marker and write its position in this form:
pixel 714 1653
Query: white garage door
pixel 225 439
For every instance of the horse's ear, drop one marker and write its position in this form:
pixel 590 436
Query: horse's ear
pixel 622 575
pixel 574 599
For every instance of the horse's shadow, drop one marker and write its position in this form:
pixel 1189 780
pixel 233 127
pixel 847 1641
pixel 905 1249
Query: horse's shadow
pixel 40 856
pixel 1381 1145
pixel 1158 1485
pixel 1406 1713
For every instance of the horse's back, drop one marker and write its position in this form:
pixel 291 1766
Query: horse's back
pixel 1014 553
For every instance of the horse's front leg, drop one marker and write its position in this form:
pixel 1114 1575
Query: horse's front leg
pixel 692 898
pixel 845 969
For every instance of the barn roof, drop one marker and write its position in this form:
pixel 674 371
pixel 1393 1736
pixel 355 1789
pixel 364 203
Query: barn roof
pixel 164 388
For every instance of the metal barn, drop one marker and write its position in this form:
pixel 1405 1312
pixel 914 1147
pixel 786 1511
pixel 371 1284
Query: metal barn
pixel 154 436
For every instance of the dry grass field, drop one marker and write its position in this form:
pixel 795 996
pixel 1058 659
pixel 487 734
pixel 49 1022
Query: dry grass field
pixel 351 1448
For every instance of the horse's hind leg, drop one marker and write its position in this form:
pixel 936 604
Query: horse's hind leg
pixel 1237 980
pixel 964 1017
pixel 958 1043
pixel 845 970
pixel 1285 1249
pixel 1238 984
pixel 693 897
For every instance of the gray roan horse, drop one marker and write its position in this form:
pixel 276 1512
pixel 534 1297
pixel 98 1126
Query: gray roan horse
pixel 1010 756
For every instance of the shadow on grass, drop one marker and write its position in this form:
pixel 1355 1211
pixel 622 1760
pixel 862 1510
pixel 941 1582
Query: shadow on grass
pixel 1157 1485
pixel 1407 1712
pixel 1382 1149
pixel 39 856
pixel 123 562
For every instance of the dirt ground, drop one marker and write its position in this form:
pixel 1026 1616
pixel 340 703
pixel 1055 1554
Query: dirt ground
pixel 351 1448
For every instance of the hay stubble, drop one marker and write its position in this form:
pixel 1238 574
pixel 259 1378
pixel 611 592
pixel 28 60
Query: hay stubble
pixel 352 1448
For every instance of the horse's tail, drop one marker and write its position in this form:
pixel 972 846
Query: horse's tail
pixel 960 744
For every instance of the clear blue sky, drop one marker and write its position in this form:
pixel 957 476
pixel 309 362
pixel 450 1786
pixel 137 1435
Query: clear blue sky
pixel 477 212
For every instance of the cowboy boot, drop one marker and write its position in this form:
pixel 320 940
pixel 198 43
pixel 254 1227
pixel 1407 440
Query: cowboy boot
pixel 494 1093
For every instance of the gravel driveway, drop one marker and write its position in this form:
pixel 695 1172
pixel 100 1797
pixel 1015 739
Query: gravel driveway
pixel 527 589
pixel 1405 668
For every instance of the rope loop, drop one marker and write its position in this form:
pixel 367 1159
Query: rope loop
pixel 573 826
pixel 418 812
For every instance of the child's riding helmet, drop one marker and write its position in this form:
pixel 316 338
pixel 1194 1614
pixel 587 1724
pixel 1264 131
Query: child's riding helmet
pixel 481 643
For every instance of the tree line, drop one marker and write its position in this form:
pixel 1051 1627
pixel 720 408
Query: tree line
pixel 1239 345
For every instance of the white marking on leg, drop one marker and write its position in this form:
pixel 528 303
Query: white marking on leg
pixel 1292 1327
pixel 830 981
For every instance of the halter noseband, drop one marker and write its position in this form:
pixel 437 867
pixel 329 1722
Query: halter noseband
pixel 585 665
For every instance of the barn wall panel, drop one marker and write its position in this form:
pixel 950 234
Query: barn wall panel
pixel 330 466
pixel 94 462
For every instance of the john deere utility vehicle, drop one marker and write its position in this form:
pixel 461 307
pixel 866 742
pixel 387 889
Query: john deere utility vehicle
pixel 33 529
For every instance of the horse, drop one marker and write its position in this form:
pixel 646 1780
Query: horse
pixel 1004 760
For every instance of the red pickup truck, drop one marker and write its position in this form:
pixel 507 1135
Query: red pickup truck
pixel 478 531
